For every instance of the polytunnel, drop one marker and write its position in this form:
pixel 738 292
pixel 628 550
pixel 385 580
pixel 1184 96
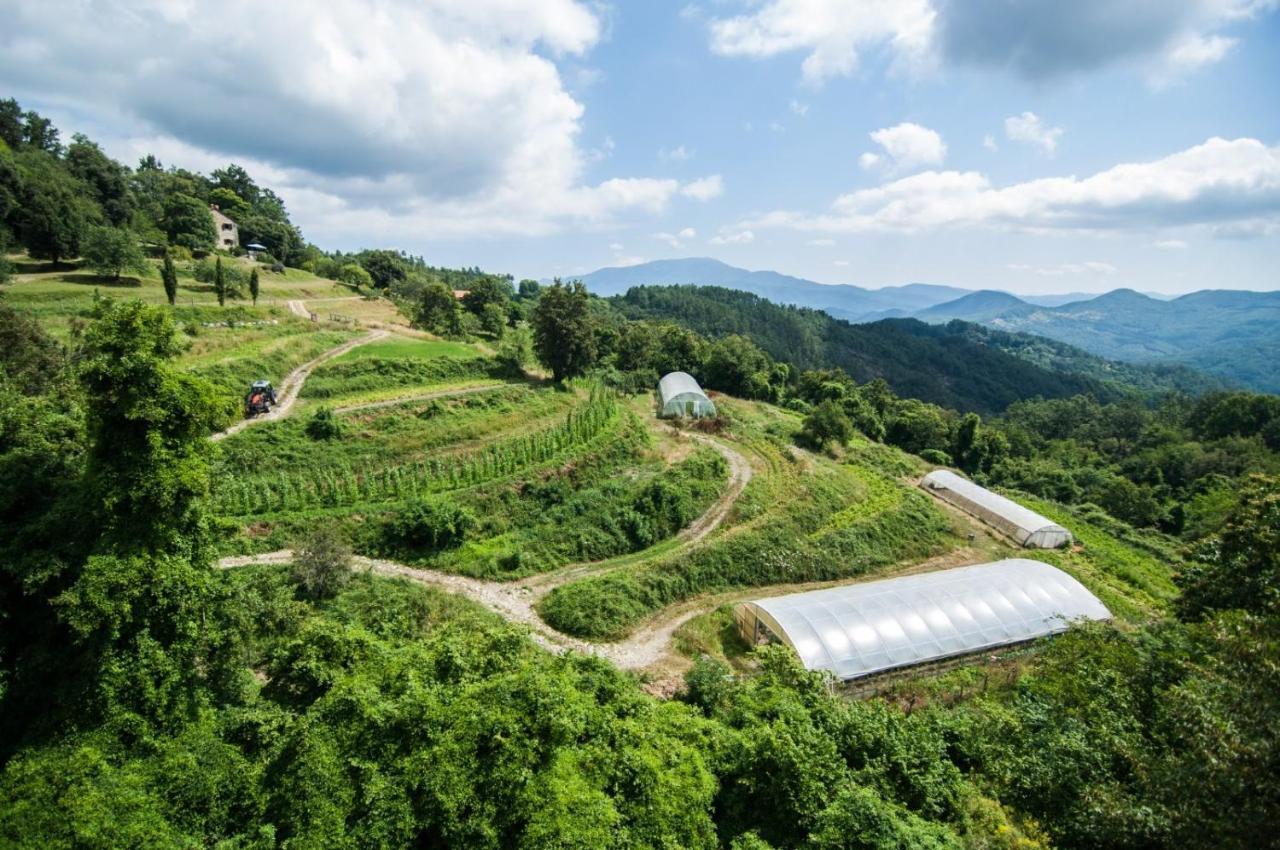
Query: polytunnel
pixel 1024 525
pixel 860 629
pixel 680 395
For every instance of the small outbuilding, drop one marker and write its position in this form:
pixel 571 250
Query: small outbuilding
pixel 1024 525
pixel 680 395
pixel 860 629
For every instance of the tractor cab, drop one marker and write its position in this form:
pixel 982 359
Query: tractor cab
pixel 259 399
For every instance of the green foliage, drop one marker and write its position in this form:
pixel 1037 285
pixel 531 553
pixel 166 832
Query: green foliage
pixel 148 457
pixel 254 285
pixel 353 274
pixel 110 251
pixel 436 309
pixel 169 278
pixel 814 540
pixel 430 525
pixel 1240 568
pixel 52 214
pixel 827 424
pixel 563 330
pixel 321 563
pixel 219 282
pixel 928 362
pixel 187 222
pixel 323 425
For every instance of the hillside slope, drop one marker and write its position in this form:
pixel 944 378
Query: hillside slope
pixel 938 364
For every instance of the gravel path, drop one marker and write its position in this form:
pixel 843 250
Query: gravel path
pixel 287 393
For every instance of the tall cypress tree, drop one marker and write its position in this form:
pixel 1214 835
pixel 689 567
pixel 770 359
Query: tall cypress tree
pixel 169 275
pixel 253 286
pixel 219 283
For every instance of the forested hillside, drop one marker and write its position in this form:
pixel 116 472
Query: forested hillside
pixel 944 365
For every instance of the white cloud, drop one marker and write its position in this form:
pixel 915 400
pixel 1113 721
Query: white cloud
pixel 1088 267
pixel 704 189
pixel 677 240
pixel 1234 184
pixel 733 237
pixel 822 243
pixel 604 151
pixel 677 154
pixel 839 262
pixel 1028 128
pixel 1036 39
pixel 830 32
pixel 616 247
pixel 907 146
pixel 801 109
pixel 1170 244
pixel 989 142
pixel 370 120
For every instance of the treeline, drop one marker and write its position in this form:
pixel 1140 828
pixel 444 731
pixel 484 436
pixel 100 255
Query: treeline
pixel 61 202
pixel 58 199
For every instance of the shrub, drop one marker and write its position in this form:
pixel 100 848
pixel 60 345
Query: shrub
pixel 430 524
pixel 321 563
pixel 323 425
pixel 6 270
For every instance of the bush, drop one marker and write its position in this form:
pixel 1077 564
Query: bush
pixel 321 563
pixel 323 425
pixel 430 524
pixel 7 270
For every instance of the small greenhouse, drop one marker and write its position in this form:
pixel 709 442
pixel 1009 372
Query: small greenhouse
pixel 680 395
pixel 1024 525
pixel 860 629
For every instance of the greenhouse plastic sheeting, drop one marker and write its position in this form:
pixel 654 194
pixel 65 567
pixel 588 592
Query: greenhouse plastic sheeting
pixel 865 628
pixel 681 396
pixel 1022 524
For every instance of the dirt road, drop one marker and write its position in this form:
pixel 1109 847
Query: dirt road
pixel 287 392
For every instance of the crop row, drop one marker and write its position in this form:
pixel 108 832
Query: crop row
pixel 345 486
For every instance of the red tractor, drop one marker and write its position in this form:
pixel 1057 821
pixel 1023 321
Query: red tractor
pixel 259 399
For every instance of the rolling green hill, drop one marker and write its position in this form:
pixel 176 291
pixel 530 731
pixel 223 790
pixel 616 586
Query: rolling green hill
pixel 949 365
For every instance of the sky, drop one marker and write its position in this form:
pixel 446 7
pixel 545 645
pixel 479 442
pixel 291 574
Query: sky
pixel 1028 145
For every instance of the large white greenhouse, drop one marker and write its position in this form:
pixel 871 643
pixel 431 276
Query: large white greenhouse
pixel 680 395
pixel 1005 515
pixel 860 629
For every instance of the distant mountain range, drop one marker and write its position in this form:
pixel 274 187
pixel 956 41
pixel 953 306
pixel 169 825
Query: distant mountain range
pixel 1233 335
pixel 844 302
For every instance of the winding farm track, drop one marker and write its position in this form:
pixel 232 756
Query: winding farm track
pixel 516 601
pixel 292 384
